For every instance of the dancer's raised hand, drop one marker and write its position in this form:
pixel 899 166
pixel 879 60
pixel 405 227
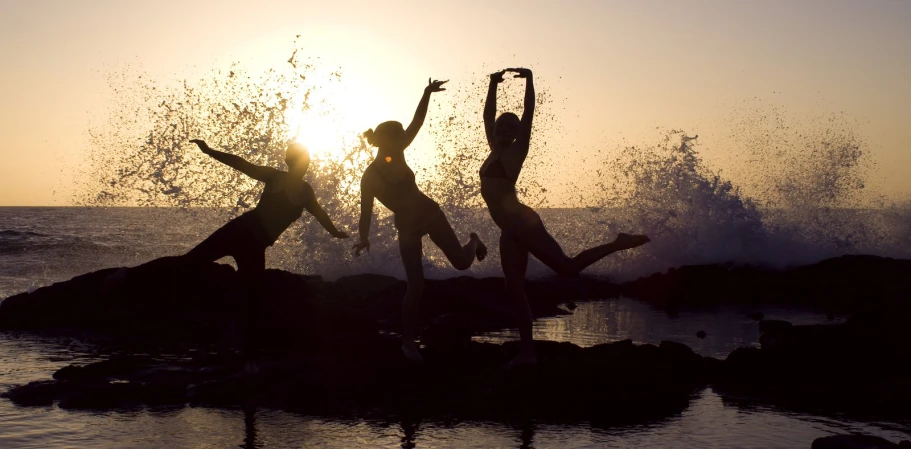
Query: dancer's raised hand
pixel 435 85
pixel 201 144
pixel 520 72
pixel 497 77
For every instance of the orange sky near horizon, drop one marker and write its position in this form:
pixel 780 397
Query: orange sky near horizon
pixel 618 69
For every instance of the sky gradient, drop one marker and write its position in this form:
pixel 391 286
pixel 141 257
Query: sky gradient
pixel 618 69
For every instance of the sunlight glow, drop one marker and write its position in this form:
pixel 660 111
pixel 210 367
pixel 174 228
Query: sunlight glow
pixel 321 134
pixel 331 125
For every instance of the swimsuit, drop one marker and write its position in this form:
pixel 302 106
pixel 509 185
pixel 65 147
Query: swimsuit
pixel 246 237
pixel 423 207
pixel 275 212
pixel 497 170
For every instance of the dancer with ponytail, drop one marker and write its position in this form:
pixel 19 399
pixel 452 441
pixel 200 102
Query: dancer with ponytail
pixel 392 182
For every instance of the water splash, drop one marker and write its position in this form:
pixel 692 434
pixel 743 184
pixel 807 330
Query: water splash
pixel 801 198
pixel 797 194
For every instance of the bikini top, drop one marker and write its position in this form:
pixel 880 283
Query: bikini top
pixel 396 190
pixel 496 170
pixel 276 211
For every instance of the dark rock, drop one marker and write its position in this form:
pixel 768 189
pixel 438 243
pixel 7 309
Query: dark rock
pixel 678 351
pixel 323 352
pixel 39 393
pixel 840 368
pixel 773 333
pixel 700 334
pixel 604 384
pixel 117 367
pixel 164 302
pixel 774 326
pixel 845 284
pixel 852 442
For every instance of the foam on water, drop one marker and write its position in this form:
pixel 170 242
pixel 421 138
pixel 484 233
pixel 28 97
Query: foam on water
pixel 799 196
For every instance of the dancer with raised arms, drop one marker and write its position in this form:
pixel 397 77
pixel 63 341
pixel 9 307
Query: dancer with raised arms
pixel 523 232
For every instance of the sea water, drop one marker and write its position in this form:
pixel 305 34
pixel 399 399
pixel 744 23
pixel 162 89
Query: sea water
pixel 43 245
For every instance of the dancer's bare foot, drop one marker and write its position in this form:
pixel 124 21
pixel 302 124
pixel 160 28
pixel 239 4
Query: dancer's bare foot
pixel 411 352
pixel 481 252
pixel 525 358
pixel 627 241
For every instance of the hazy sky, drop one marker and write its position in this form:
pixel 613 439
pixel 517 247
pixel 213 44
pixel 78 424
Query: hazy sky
pixel 618 68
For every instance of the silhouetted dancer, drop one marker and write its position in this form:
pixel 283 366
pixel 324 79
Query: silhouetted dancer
pixel 390 180
pixel 523 232
pixel 245 238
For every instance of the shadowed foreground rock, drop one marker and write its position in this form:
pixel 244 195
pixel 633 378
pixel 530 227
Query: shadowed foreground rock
pixel 605 384
pixel 860 366
pixel 841 284
pixel 158 300
pixel 325 353
pixel 161 301
pixel 856 442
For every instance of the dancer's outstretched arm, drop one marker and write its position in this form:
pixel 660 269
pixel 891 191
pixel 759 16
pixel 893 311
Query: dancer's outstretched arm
pixel 363 226
pixel 490 106
pixel 238 163
pixel 528 114
pixel 320 214
pixel 421 112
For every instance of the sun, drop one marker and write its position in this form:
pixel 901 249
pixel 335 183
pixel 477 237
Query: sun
pixel 322 134
pixel 319 133
pixel 332 123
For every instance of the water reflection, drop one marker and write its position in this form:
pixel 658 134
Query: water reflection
pixel 708 422
pixel 409 432
pixel 250 441
pixel 726 327
pixel 526 435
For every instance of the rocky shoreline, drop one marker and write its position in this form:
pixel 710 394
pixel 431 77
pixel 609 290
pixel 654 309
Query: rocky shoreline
pixel 327 348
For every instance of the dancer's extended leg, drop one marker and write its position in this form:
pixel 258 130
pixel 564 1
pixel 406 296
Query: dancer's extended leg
pixel 217 245
pixel 545 248
pixel 460 256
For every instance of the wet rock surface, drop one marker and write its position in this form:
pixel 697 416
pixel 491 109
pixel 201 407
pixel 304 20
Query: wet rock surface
pixel 609 383
pixel 325 349
pixel 842 284
pixel 162 301
pixel 856 442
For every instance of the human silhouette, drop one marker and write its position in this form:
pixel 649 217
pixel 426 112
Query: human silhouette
pixel 245 238
pixel 389 179
pixel 523 232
